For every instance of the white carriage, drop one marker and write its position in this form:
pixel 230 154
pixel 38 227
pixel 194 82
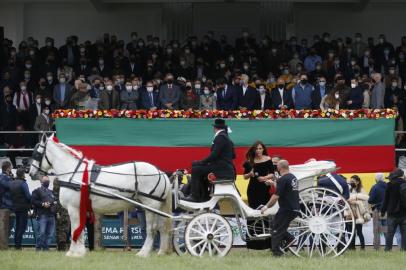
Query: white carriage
pixel 324 226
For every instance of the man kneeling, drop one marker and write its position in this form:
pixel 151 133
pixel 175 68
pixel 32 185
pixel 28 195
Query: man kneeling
pixel 287 195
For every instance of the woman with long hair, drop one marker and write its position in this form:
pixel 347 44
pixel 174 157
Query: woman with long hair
pixel 359 204
pixel 259 169
pixel 331 101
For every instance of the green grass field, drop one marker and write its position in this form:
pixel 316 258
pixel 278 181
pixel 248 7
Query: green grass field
pixel 237 259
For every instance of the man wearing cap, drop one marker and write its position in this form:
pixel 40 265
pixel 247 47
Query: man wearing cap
pixel 394 207
pixel 219 162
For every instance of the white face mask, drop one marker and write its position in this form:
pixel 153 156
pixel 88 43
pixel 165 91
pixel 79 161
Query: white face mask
pixel 197 86
pixel 23 88
pixel 222 65
pixel 38 100
pixel 47 102
pixel 62 80
pixel 49 78
pixel 322 83
pixel 337 96
pixel 394 84
pixel 135 87
pixel 129 88
pixel 150 89
pixel 109 87
pixel 101 88
pixel 353 85
pixel 261 90
pixel 206 91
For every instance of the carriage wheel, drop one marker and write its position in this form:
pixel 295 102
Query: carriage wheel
pixel 325 225
pixel 178 239
pixel 210 234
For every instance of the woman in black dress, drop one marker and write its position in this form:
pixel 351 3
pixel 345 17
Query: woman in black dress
pixel 259 169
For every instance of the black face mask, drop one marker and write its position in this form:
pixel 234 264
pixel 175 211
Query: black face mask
pixel 303 81
pixel 281 86
pixel 170 81
pixel 97 85
pixel 45 184
pixel 353 185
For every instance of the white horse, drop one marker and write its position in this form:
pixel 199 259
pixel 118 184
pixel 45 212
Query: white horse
pixel 138 180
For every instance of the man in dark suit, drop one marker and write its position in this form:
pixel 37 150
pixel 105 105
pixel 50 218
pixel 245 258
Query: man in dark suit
pixel 281 98
pixel 169 94
pixel 219 162
pixel 319 92
pixel 62 93
pixel 70 52
pixel 35 110
pixel 149 97
pixel 246 95
pixel 226 96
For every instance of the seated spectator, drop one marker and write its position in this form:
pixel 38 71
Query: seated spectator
pixel 109 98
pixel 129 97
pixel 264 98
pixel 320 91
pixel 356 97
pixel 302 94
pixel 169 94
pixel 207 99
pixel 62 93
pixel 189 100
pixel 150 97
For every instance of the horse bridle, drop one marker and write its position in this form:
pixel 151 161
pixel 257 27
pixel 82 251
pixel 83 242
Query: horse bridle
pixel 37 156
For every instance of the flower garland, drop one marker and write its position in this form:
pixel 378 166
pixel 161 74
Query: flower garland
pixel 240 114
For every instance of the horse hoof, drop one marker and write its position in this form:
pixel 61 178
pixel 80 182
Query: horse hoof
pixel 163 252
pixel 69 254
pixel 142 254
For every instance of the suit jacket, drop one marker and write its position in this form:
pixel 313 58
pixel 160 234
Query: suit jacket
pixel 42 124
pixel 170 96
pixel 316 97
pixel 267 102
pixel 276 99
pixel 58 94
pixel 34 113
pixel 221 156
pixel 146 101
pixel 108 102
pixel 378 96
pixel 247 100
pixel 227 101
pixel 129 100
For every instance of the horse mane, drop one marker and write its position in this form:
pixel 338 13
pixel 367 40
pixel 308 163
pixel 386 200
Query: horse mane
pixel 68 149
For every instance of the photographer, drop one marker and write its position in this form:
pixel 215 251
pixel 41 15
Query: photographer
pixel 45 208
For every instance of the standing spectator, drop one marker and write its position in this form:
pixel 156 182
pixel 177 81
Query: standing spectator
pixel 21 199
pixel 62 93
pixel 259 169
pixel 44 121
pixel 35 110
pixel 356 97
pixel 150 97
pixel 330 101
pixel 394 206
pixel 109 98
pixel 226 96
pixel 281 98
pixel 207 99
pixel 23 100
pixel 6 204
pixel 378 92
pixel 129 97
pixel 302 94
pixel 8 117
pixel 358 46
pixel 390 91
pixel 45 208
pixel 311 60
pixel 358 201
pixel 169 94
pixel 264 98
pixel 367 95
pixel 320 91
pixel 287 195
pixel 246 95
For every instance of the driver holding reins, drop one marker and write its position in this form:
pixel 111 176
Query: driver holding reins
pixel 219 162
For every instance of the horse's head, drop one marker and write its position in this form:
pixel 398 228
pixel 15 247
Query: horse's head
pixel 40 162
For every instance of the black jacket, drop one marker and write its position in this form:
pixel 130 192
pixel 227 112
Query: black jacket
pixel 40 196
pixel 20 195
pixel 221 156
pixel 249 99
pixel 391 203
pixel 276 99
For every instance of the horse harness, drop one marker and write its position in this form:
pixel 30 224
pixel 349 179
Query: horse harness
pixel 94 174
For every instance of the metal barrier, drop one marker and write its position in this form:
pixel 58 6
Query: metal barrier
pixel 23 132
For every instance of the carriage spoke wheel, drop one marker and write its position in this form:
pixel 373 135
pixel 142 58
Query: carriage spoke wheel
pixel 208 234
pixel 325 225
pixel 178 239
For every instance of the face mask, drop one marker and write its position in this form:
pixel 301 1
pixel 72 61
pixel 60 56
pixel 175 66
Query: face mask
pixel 304 81
pixel 391 71
pixel 150 89
pixel 27 76
pixel 281 86
pixel 169 81
pixel 49 78
pixel 261 90
pixel 222 65
pixel 101 62
pixel 62 80
pixel 169 51
pixel 337 96
pixel 353 63
pixel 109 87
pixel 45 184
pixel 246 67
pixel 182 63
pixel 49 44
pixel 206 92
pixel 101 88
pixel 231 59
pixel 197 86
pixel 357 39
pixel 353 85
pixel 353 185
pixel 337 62
pixel 23 88
pixel 28 66
pixel 381 40
pixel 394 84
pixel 47 102
pixel 322 83
pixel 129 88
pixel 46 112
pixel 135 87
pixel 38 100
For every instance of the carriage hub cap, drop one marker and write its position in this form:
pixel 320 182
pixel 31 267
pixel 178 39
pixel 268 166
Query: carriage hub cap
pixel 317 225
pixel 210 236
